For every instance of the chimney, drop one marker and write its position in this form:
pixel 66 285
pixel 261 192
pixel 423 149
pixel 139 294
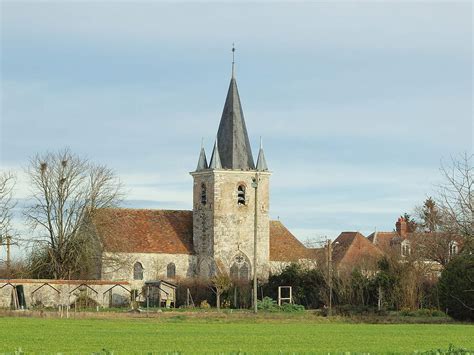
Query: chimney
pixel 402 227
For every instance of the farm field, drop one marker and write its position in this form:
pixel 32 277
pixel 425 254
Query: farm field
pixel 214 335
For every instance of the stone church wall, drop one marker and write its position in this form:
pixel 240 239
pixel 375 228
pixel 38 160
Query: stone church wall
pixel 120 266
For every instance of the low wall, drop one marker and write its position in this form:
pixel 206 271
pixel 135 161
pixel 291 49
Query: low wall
pixel 52 293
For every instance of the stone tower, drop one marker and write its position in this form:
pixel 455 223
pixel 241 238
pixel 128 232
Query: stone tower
pixel 224 200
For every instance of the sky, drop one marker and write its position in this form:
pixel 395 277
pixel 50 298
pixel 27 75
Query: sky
pixel 357 103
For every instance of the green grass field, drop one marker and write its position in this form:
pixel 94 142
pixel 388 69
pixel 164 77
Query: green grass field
pixel 214 335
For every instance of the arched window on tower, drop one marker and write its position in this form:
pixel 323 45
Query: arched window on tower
pixel 138 271
pixel 241 195
pixel 203 194
pixel 171 271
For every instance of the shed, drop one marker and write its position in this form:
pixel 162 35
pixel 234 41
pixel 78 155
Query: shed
pixel 160 293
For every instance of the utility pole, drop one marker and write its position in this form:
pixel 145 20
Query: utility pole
pixel 255 186
pixel 330 275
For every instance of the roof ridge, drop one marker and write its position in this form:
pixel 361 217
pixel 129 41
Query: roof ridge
pixel 141 209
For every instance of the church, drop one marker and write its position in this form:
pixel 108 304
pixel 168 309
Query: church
pixel 231 203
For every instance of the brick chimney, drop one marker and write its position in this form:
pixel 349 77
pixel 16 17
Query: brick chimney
pixel 402 227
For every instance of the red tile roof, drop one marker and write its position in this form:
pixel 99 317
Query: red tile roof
pixel 285 247
pixel 352 248
pixel 168 231
pixel 145 231
pixel 384 240
pixel 63 282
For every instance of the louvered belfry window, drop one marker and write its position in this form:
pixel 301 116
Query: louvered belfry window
pixel 241 195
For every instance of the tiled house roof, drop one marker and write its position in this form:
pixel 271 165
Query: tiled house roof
pixel 145 231
pixel 285 247
pixel 352 248
pixel 386 241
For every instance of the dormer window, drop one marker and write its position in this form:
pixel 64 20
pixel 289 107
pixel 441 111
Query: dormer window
pixel 406 250
pixel 203 194
pixel 241 195
pixel 453 248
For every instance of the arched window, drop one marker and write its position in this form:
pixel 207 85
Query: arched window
pixel 453 248
pixel 138 271
pixel 244 272
pixel 234 271
pixel 203 194
pixel 171 271
pixel 241 195
pixel 240 268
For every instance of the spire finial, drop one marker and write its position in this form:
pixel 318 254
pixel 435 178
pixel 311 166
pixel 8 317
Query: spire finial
pixel 233 60
pixel 261 162
pixel 215 159
pixel 202 142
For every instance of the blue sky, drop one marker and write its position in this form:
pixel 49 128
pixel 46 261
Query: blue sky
pixel 357 102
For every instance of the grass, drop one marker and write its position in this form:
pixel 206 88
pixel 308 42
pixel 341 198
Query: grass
pixel 184 334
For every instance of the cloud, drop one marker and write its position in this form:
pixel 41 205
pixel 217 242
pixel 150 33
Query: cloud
pixel 357 102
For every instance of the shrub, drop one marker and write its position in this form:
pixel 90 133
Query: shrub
pixel 290 307
pixel 406 312
pixel 267 304
pixel 270 305
pixel 350 310
pixel 308 285
pixel 199 289
pixel 205 304
pixel 455 288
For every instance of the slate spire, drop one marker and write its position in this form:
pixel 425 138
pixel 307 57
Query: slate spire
pixel 215 158
pixel 202 162
pixel 234 144
pixel 261 162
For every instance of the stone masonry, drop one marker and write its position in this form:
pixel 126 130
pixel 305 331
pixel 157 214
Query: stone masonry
pixel 223 229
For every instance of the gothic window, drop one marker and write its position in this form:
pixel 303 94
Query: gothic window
pixel 171 271
pixel 138 271
pixel 453 248
pixel 205 269
pixel 244 272
pixel 241 195
pixel 240 268
pixel 406 250
pixel 203 194
pixel 234 271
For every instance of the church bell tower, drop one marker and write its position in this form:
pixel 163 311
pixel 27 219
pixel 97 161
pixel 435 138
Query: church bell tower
pixel 224 192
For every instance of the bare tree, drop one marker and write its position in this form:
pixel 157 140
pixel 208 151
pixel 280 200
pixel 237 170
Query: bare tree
pixel 221 282
pixel 432 241
pixel 456 198
pixel 7 183
pixel 66 191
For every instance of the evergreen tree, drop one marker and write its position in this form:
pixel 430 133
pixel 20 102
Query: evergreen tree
pixel 431 217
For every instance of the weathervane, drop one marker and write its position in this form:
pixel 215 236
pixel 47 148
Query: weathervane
pixel 233 58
